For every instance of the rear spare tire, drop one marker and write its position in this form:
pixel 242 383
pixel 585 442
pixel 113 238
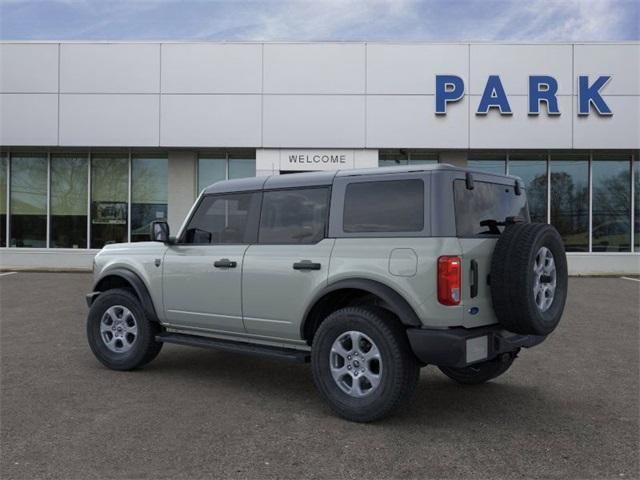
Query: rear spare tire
pixel 529 278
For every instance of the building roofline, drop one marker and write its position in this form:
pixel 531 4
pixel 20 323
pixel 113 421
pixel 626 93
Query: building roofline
pixel 316 42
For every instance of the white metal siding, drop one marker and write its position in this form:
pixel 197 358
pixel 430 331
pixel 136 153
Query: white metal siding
pixel 306 95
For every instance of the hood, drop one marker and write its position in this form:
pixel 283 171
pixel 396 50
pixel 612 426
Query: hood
pixel 132 248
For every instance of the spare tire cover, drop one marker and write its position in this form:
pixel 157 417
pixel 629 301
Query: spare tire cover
pixel 529 278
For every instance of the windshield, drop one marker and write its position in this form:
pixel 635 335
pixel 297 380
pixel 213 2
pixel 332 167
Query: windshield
pixel 481 211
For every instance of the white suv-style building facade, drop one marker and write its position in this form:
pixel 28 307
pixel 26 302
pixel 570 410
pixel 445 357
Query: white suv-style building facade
pixel 99 139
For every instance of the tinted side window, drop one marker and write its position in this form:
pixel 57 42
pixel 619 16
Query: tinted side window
pixel 222 219
pixel 384 206
pixel 487 201
pixel 294 216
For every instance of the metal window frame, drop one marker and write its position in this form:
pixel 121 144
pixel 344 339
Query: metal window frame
pixel 633 199
pixel 48 229
pixel 8 199
pixel 549 187
pixel 129 182
pixel 590 202
pixel 89 192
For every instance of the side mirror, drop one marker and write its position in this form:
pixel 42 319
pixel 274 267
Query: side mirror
pixel 160 231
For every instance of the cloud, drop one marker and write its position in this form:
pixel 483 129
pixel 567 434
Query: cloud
pixel 571 20
pixel 330 20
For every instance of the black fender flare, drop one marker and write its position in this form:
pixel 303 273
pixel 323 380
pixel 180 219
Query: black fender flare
pixel 136 283
pixel 396 302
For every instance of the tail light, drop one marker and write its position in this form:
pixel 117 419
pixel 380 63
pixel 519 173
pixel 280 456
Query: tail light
pixel 449 281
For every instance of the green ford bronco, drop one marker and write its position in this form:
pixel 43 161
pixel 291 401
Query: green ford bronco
pixel 368 274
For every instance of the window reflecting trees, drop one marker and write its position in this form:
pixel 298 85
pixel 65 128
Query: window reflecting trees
pixel 532 169
pixel 28 205
pixel 109 197
pixel 149 194
pixel 570 200
pixel 611 205
pixel 69 182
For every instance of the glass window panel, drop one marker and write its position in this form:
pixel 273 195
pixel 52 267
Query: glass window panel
pixel 490 162
pixel 28 201
pixel 570 200
pixel 109 194
pixel 69 201
pixel 149 184
pixel 294 216
pixel 384 206
pixel 487 201
pixel 3 200
pixel 532 169
pixel 242 165
pixel 392 158
pixel 211 170
pixel 419 158
pixel 636 194
pixel 228 219
pixel 611 205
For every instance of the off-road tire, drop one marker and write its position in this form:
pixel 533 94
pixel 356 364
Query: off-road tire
pixel 400 369
pixel 512 278
pixel 144 349
pixel 480 372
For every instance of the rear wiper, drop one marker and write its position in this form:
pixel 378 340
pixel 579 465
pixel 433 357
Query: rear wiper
pixel 493 224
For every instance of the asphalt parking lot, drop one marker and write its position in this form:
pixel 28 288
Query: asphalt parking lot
pixel 568 409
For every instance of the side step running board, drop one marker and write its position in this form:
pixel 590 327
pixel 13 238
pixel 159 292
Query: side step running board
pixel 279 353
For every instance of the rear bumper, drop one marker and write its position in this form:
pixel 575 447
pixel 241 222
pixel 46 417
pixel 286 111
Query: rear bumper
pixel 459 347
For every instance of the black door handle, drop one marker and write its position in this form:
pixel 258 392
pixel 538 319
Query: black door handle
pixel 306 265
pixel 225 263
pixel 474 279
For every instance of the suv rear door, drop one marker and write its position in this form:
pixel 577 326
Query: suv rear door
pixel 202 271
pixel 290 262
pixel 490 199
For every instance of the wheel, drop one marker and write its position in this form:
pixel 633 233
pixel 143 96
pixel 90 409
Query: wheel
pixel 120 334
pixel 529 278
pixel 362 363
pixel 480 372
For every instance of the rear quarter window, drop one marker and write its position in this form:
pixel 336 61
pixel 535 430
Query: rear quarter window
pixel 384 206
pixel 487 201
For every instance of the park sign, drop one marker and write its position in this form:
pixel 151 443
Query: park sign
pixel 542 89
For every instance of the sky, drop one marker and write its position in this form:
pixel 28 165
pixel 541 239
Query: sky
pixel 321 20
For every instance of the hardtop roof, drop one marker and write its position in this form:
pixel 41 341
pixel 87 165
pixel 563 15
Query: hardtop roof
pixel 313 179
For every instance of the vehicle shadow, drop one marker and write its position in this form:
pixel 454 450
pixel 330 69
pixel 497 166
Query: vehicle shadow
pixel 437 401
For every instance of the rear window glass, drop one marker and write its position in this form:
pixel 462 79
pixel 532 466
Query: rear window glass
pixel 384 206
pixel 486 202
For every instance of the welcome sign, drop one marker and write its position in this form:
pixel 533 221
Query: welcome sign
pixel 304 160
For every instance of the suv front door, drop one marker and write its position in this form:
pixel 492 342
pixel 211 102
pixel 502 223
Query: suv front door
pixel 203 271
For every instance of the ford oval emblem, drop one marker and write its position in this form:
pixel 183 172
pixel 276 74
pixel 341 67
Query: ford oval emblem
pixel 474 310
